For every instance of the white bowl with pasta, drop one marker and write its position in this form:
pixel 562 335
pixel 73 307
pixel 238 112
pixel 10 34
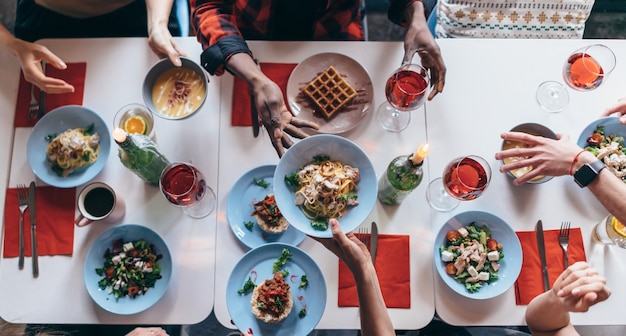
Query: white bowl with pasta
pixel 339 160
pixel 57 128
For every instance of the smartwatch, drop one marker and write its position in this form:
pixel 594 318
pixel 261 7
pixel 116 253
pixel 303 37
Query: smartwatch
pixel 588 172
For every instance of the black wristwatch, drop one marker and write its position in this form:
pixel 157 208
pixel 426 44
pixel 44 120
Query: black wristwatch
pixel 588 172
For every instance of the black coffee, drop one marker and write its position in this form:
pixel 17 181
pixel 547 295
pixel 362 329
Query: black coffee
pixel 99 202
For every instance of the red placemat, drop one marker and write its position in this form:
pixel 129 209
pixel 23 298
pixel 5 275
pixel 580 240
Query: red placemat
pixel 73 74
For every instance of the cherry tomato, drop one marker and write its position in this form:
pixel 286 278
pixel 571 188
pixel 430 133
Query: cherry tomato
pixel 450 269
pixel 109 272
pixel 492 244
pixel 453 236
pixel 595 139
pixel 134 290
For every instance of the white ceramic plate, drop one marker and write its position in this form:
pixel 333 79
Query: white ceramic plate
pixel 352 72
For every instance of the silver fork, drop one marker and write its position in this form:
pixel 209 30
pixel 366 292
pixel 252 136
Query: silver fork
pixel 364 236
pixel 564 240
pixel 33 109
pixel 22 203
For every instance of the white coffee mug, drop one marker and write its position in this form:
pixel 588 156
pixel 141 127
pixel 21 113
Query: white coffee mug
pixel 98 202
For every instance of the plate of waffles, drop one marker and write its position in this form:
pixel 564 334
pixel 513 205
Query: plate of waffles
pixel 332 90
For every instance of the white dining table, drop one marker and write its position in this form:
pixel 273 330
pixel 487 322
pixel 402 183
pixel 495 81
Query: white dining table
pixel 114 76
pixel 490 87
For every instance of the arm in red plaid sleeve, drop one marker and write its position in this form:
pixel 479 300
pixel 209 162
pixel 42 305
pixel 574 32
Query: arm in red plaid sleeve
pixel 216 29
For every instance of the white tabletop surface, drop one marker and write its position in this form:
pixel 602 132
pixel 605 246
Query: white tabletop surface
pixel 115 72
pixel 240 152
pixel 490 88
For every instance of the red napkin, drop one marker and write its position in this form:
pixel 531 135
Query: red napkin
pixel 529 283
pixel 74 74
pixel 277 72
pixel 393 270
pixel 55 222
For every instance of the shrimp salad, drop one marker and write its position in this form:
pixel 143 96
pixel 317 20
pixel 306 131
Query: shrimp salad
pixel 471 256
pixel 610 149
pixel 130 268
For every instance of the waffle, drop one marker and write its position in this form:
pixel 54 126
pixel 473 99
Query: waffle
pixel 329 92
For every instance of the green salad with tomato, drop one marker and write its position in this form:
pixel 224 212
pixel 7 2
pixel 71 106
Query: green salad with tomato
pixel 610 149
pixel 130 268
pixel 471 256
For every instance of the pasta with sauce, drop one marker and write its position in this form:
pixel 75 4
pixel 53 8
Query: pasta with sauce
pixel 326 189
pixel 73 149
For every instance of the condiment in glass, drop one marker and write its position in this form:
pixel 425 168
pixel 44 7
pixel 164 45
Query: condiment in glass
pixel 402 176
pixel 610 231
pixel 141 155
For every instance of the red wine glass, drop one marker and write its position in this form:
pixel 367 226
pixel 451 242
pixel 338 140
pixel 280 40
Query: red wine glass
pixel 184 186
pixel 587 67
pixel 464 179
pixel 406 90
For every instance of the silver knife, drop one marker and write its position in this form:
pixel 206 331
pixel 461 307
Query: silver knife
pixel 255 114
pixel 33 227
pixel 374 242
pixel 542 254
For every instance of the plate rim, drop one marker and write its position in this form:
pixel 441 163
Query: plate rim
pixel 367 106
pixel 89 172
pixel 167 256
pixel 449 281
pixel 230 202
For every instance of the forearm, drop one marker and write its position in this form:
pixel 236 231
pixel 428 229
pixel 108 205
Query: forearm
pixel 608 188
pixel 546 314
pixel 158 13
pixel 7 40
pixel 375 319
pixel 414 15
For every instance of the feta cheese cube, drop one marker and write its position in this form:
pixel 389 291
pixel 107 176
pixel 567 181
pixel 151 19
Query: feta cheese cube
pixel 472 271
pixel 493 256
pixel 447 256
pixel 128 246
pixel 116 259
pixel 463 232
pixel 483 276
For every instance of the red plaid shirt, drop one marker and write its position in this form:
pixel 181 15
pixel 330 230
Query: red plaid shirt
pixel 221 26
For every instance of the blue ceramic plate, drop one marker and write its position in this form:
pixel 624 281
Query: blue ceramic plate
pixel 240 207
pixel 257 264
pixel 611 126
pixel 337 148
pixel 95 259
pixel 57 121
pixel 510 266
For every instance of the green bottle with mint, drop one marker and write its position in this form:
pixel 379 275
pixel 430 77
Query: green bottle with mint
pixel 141 155
pixel 402 176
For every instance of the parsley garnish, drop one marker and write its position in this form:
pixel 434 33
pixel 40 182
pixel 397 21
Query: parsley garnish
pixel 285 255
pixel 302 313
pixel 304 282
pixel 249 225
pixel 292 180
pixel 248 286
pixel 320 158
pixel 319 224
pixel 260 182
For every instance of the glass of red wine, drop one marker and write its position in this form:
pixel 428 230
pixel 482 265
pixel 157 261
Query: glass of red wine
pixel 464 179
pixel 184 186
pixel 587 67
pixel 406 90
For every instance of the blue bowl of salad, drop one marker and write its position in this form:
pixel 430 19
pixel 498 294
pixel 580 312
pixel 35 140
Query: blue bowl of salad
pixel 604 137
pixel 477 255
pixel 127 269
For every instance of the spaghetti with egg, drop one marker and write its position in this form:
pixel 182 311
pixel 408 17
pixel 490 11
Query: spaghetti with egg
pixel 73 149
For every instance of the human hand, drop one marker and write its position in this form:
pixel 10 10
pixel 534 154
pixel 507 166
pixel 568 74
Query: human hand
pixel 579 287
pixel 548 157
pixel 30 56
pixel 418 39
pixel 619 109
pixel 347 247
pixel 276 118
pixel 163 45
pixel 153 331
